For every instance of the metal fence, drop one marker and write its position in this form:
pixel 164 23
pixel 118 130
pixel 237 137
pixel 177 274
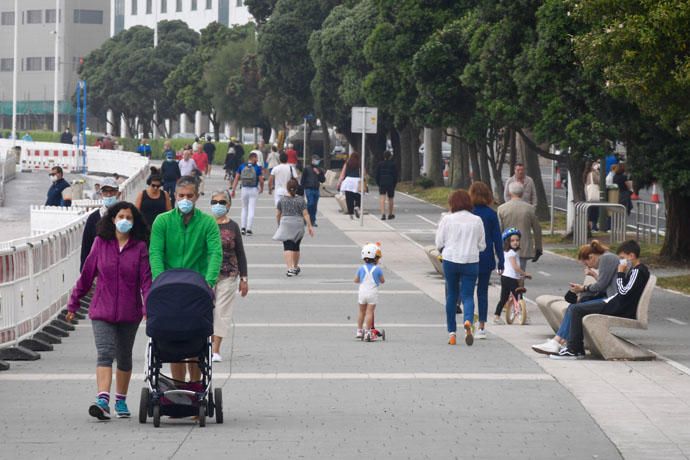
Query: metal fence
pixel 648 224
pixel 618 214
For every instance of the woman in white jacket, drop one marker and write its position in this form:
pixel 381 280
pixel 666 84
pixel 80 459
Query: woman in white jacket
pixel 460 239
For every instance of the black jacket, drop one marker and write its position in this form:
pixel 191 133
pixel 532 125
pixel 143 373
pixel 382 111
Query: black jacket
pixel 66 138
pixel 387 174
pixel 312 177
pixel 170 171
pixel 630 286
pixel 89 235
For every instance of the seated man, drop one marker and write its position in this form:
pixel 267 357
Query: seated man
pixel 631 280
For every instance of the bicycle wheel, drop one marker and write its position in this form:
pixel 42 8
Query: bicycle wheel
pixel 523 312
pixel 510 312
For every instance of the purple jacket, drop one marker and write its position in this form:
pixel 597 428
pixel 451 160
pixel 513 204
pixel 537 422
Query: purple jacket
pixel 124 280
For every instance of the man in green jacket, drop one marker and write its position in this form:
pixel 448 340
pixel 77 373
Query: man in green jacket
pixel 187 238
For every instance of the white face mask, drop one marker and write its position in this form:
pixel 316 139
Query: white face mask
pixel 54 178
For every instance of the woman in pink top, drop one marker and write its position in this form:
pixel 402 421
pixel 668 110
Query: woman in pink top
pixel 120 259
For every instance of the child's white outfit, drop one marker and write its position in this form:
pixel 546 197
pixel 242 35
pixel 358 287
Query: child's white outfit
pixel 509 279
pixel 369 280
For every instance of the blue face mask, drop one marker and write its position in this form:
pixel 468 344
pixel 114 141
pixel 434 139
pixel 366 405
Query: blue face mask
pixel 108 201
pixel 185 206
pixel 219 210
pixel 123 225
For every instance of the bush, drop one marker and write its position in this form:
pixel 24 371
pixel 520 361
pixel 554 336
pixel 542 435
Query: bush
pixel 424 182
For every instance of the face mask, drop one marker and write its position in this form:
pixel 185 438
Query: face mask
pixel 315 162
pixel 219 210
pixel 108 201
pixel 54 178
pixel 123 225
pixel 625 262
pixel 185 206
pixel 169 159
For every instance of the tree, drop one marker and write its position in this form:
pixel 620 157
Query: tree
pixel 260 9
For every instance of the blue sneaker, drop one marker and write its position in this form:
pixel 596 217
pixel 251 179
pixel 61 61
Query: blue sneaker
pixel 121 409
pixel 100 410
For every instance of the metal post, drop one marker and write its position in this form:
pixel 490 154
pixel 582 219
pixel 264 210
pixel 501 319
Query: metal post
pixel 553 182
pixel 57 66
pixel 361 171
pixel 14 73
pixel 84 169
pixel 155 45
pixel 304 148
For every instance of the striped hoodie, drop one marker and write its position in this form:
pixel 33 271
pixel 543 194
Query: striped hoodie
pixel 630 286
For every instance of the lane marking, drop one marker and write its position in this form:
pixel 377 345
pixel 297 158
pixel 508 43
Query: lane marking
pixel 544 274
pixel 334 291
pixel 306 265
pixel 677 321
pixel 427 220
pixel 420 200
pixel 276 245
pixel 314 325
pixel 307 376
pixel 391 228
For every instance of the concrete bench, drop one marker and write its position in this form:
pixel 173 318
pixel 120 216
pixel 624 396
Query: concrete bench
pixel 553 307
pixel 606 344
pixel 432 253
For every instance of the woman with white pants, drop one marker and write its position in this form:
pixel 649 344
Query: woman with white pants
pixel 252 187
pixel 234 266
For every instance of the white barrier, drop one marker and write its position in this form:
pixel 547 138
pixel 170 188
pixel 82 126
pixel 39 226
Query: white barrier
pixel 8 170
pixel 45 219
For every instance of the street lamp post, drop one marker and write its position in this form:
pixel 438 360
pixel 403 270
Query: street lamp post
pixel 14 73
pixel 57 66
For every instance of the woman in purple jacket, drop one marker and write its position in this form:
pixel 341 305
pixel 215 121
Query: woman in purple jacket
pixel 120 259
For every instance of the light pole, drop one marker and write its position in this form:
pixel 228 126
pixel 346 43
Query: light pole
pixel 14 73
pixel 57 66
pixel 155 45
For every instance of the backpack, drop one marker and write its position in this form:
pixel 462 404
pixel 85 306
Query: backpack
pixel 248 176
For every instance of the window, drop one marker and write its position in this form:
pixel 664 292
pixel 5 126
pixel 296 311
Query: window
pixel 34 16
pixel 33 63
pixel 193 5
pixel 50 16
pixel 164 6
pixel 134 7
pixel 6 65
pixel 49 63
pixel 178 6
pixel 209 4
pixel 7 18
pixel 88 17
pixel 149 6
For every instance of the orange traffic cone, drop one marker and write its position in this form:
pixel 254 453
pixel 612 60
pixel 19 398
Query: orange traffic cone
pixel 558 179
pixel 655 194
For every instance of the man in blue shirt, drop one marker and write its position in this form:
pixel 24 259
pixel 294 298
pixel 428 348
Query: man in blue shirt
pixel 59 185
pixel 144 148
pixel 251 176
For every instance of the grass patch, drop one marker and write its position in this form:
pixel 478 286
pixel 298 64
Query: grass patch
pixel 435 195
pixel 679 283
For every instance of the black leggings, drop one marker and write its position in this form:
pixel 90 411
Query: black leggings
pixel 353 199
pixel 290 245
pixel 508 286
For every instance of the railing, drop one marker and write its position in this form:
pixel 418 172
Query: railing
pixel 618 214
pixel 8 169
pixel 648 224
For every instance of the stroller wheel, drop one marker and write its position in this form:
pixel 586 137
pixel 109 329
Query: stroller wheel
pixel 156 415
pixel 218 401
pixel 144 404
pixel 383 335
pixel 202 414
pixel 211 406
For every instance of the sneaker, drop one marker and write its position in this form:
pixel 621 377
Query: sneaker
pixel 550 347
pixel 498 320
pixel 480 334
pixel 297 270
pixel 314 224
pixel 357 212
pixel 352 217
pixel 217 358
pixel 359 334
pixel 469 338
pixel 249 232
pixel 391 216
pixel 452 339
pixel 567 354
pixel 291 272
pixel 100 410
pixel 243 231
pixel 121 409
pixel 383 217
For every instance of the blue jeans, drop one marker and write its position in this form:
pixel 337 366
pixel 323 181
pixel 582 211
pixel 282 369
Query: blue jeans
pixel 312 195
pixel 483 295
pixel 564 329
pixel 460 281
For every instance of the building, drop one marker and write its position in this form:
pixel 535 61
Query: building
pixel 83 25
pixel 196 13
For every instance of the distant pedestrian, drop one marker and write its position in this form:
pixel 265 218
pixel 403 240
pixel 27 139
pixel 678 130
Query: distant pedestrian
pixel 387 179
pixel 591 178
pixel 251 177
pixel 369 277
pixel 280 175
pixel 517 213
pixel 187 164
pixel 611 160
pixel 259 156
pixel 153 200
pixel 482 199
pixel 66 137
pixel 110 192
pixel 460 239
pixel 55 196
pixel 232 270
pixel 210 149
pixel 233 160
pixel 120 260
pixel 291 216
pixel 312 178
pixel 624 187
pixel 512 273
pixel 292 155
pixel 349 183
pixel 107 143
pixel 202 165
pixel 144 148
pixel 529 193
pixel 27 137
pixel 273 158
pixel 170 173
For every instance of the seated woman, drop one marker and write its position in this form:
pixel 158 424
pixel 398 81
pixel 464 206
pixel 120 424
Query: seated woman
pixel 600 264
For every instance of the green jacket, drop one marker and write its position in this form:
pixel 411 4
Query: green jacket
pixel 196 246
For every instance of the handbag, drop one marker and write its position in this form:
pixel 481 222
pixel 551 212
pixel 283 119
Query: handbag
pixel 300 188
pixel 592 190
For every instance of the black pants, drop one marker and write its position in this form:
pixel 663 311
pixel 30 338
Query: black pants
pixel 593 216
pixel 353 199
pixel 508 286
pixel 578 312
pixel 290 245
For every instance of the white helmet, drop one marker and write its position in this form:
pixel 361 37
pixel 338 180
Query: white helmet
pixel 371 251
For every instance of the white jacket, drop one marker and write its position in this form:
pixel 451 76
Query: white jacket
pixel 460 237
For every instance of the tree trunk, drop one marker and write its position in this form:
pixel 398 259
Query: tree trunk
pixel 496 160
pixel 676 243
pixel 576 169
pixel 405 153
pixel 395 143
pixel 459 162
pixel 432 155
pixel 414 153
pixel 484 162
pixel 474 161
pixel 533 170
pixel 326 145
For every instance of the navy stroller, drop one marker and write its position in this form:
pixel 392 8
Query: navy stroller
pixel 179 324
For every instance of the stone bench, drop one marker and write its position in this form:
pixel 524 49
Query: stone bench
pixel 553 307
pixel 432 253
pixel 606 344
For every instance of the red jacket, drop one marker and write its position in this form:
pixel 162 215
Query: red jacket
pixel 292 156
pixel 201 160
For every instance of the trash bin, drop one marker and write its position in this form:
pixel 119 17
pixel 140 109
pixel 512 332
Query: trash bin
pixel 613 196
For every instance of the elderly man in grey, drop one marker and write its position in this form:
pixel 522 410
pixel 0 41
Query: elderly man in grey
pixel 529 194
pixel 519 214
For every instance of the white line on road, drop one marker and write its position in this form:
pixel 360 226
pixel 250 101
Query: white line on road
pixel 677 321
pixel 305 265
pixel 345 325
pixel 26 377
pixel 427 220
pixel 544 274
pixel 325 291
pixel 420 200
pixel 273 245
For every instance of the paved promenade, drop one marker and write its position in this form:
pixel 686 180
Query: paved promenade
pixel 297 385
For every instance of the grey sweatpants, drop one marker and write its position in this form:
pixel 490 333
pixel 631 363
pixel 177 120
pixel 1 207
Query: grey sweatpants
pixel 114 342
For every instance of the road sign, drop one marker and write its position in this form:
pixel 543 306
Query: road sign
pixel 364 120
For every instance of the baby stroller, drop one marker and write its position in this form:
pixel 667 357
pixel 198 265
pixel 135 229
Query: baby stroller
pixel 179 325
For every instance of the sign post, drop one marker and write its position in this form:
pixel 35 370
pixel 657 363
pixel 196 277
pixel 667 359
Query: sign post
pixel 364 120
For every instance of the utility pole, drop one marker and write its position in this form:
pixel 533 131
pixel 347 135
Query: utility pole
pixel 14 73
pixel 57 66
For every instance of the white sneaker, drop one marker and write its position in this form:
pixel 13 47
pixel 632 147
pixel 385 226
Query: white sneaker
pixel 480 334
pixel 217 358
pixel 550 347
pixel 498 320
pixel 359 334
